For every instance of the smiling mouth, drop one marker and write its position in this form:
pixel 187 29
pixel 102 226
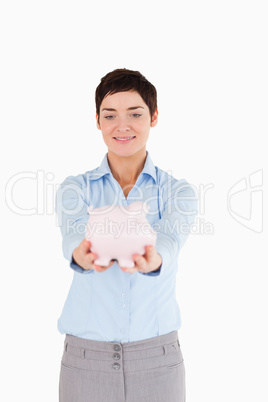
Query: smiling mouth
pixel 124 138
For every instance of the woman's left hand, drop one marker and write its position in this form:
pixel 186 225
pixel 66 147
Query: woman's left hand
pixel 148 262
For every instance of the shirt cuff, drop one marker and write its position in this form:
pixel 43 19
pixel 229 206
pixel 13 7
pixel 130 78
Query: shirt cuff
pixel 79 269
pixel 156 272
pixel 153 273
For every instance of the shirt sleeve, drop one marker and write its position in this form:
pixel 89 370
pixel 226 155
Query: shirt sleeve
pixel 72 217
pixel 179 210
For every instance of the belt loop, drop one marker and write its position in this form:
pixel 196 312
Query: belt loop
pixel 165 349
pixel 82 353
pixel 66 346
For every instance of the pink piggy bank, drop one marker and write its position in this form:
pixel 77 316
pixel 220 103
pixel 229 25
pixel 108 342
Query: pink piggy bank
pixel 117 232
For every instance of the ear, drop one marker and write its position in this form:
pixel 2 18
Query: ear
pixel 154 118
pixel 97 122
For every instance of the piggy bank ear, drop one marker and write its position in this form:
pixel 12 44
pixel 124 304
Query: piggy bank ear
pixel 89 209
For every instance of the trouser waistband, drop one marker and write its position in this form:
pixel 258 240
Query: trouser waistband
pixel 102 346
pixel 157 346
pixel 105 356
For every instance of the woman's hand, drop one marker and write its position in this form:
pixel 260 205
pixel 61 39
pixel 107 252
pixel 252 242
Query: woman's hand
pixel 148 262
pixel 83 257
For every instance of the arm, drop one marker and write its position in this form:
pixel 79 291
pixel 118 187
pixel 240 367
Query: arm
pixel 71 209
pixel 178 214
pixel 180 207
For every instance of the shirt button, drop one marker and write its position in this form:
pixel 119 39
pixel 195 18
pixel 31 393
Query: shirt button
pixel 123 305
pixel 123 294
pixel 116 356
pixel 117 348
pixel 116 366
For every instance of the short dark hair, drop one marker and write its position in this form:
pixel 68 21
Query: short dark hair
pixel 122 80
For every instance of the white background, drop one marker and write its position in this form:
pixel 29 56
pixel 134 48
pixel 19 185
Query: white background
pixel 208 61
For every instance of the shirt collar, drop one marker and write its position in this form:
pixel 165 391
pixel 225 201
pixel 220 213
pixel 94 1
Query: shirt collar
pixel 104 168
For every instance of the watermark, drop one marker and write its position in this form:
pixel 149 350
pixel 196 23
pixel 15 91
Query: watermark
pixel 45 190
pixel 245 201
pixel 134 227
pixel 71 201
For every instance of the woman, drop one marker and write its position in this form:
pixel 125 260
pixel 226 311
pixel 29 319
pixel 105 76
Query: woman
pixel 121 324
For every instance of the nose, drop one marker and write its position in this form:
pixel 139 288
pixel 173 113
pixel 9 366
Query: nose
pixel 122 126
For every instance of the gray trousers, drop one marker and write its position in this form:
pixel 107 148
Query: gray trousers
pixel 150 370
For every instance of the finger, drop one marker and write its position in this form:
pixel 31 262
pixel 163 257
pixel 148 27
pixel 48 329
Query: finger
pixel 149 251
pixel 129 270
pixel 102 268
pixel 91 257
pixel 99 268
pixel 140 262
pixel 85 244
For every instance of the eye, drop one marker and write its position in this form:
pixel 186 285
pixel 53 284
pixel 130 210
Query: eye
pixel 108 117
pixel 136 115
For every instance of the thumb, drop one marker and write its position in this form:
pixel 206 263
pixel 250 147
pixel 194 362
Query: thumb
pixel 85 245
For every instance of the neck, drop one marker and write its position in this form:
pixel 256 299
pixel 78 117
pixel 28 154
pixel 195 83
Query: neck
pixel 126 169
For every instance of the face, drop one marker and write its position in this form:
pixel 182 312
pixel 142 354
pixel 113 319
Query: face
pixel 125 123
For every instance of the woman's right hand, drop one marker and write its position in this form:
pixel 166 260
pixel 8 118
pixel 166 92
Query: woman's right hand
pixel 83 257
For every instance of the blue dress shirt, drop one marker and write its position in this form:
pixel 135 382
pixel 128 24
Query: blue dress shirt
pixel 113 305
